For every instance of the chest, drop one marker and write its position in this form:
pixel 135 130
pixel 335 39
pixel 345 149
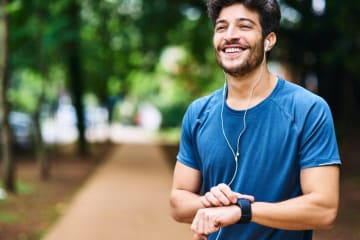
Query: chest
pixel 267 144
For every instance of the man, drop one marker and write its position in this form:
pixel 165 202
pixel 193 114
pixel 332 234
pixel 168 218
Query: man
pixel 258 159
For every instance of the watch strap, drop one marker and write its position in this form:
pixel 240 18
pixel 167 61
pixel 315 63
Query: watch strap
pixel 245 206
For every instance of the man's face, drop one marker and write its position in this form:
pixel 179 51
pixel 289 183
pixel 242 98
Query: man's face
pixel 238 42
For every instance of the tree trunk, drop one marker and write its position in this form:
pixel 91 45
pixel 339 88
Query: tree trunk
pixel 40 149
pixel 75 73
pixel 8 163
pixel 77 94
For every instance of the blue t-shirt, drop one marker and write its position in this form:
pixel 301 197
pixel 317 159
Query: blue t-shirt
pixel 290 130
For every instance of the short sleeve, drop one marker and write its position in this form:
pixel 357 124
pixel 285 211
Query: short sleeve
pixel 318 145
pixel 187 151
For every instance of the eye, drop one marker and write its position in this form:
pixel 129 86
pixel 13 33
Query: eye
pixel 245 27
pixel 220 28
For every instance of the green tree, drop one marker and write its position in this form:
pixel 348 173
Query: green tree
pixel 324 41
pixel 35 35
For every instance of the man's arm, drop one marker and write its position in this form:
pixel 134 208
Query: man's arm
pixel 185 199
pixel 315 209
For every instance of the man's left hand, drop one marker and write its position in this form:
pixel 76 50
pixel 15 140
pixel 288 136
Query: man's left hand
pixel 210 220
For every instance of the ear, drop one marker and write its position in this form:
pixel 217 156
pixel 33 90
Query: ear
pixel 270 41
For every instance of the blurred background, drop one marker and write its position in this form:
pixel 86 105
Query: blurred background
pixel 81 77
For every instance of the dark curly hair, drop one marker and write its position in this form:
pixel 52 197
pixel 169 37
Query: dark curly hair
pixel 268 10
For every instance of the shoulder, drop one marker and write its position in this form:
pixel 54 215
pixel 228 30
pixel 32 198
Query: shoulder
pixel 203 105
pixel 300 95
pixel 293 97
pixel 299 105
pixel 206 100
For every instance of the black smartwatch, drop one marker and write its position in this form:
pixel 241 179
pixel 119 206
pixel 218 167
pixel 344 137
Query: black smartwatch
pixel 245 206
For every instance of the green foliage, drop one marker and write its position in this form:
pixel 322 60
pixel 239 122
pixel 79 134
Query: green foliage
pixel 27 85
pixel 326 45
pixel 170 135
pixel 142 85
pixel 113 85
pixel 25 90
pixel 330 36
pixel 123 45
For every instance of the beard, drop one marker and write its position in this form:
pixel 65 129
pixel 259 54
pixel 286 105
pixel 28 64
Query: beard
pixel 254 58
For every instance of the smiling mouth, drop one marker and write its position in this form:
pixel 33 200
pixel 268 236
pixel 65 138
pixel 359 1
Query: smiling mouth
pixel 232 50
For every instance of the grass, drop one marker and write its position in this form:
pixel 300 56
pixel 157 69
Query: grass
pixel 11 217
pixel 8 217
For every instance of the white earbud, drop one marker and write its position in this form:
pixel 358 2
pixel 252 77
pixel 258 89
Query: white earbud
pixel 267 42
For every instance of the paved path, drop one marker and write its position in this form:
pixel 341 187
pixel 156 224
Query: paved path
pixel 126 198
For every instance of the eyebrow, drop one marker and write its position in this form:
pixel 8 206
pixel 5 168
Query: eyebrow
pixel 238 20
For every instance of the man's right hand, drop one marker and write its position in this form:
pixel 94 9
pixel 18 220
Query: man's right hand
pixel 222 195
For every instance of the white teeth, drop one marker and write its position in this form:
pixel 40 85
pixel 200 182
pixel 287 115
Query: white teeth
pixel 232 50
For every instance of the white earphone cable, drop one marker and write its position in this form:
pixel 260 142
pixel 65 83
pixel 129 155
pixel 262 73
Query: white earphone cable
pixel 236 154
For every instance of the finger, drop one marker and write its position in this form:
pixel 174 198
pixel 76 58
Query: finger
pixel 220 196
pixel 228 193
pixel 195 230
pixel 205 202
pixel 206 224
pixel 200 221
pixel 212 199
pixel 217 225
pixel 211 224
pixel 251 198
pixel 195 225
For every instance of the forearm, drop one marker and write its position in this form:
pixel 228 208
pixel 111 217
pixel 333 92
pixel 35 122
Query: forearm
pixel 184 205
pixel 309 211
pixel 301 213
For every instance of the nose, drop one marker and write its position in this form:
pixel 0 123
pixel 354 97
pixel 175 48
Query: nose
pixel 231 33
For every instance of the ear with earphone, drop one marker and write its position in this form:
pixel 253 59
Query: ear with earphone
pixel 267 43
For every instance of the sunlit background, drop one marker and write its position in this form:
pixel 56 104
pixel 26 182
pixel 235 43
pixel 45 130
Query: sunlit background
pixel 91 73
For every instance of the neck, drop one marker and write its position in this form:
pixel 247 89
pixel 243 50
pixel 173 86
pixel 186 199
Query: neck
pixel 248 90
